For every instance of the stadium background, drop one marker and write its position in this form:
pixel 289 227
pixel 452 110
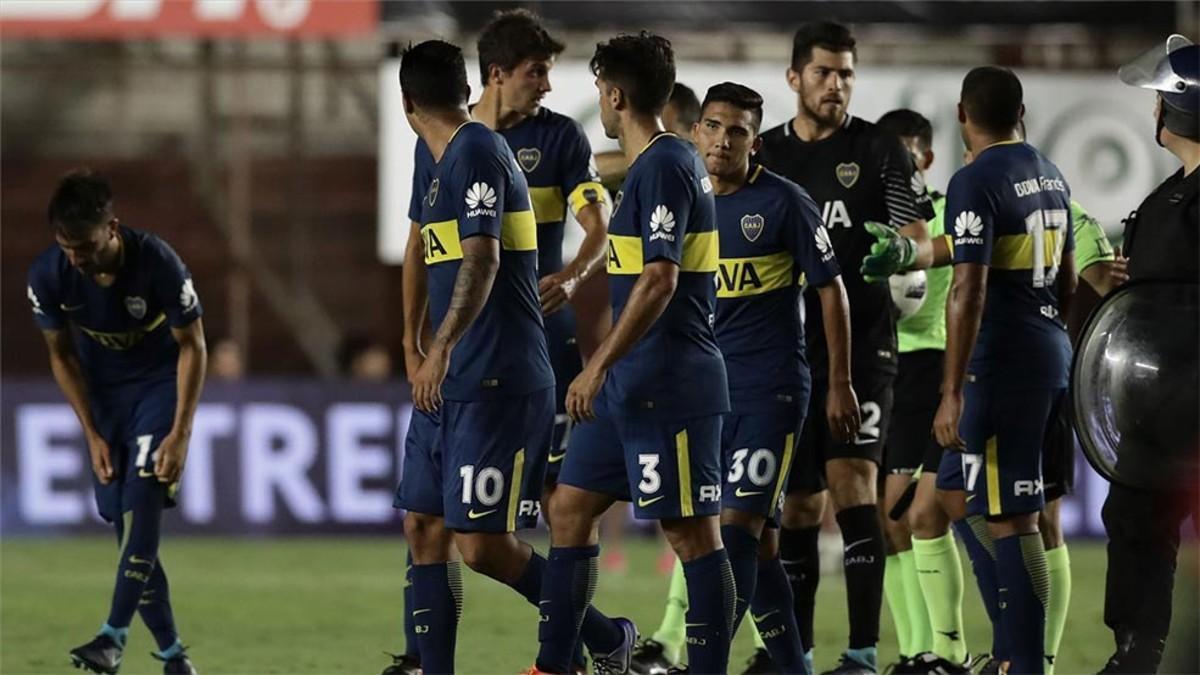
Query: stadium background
pixel 262 138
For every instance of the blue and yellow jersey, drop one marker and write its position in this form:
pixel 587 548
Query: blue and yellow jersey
pixel 478 190
pixel 771 239
pixel 1011 210
pixel 666 212
pixel 122 330
pixel 556 158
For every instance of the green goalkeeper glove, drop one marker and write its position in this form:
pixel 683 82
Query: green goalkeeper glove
pixel 891 253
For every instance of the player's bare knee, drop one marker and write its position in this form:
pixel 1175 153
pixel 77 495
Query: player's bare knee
pixel 926 520
pixel 803 510
pixel 768 544
pixel 953 503
pixel 1050 525
pixel 693 537
pixel 574 524
pixel 897 535
pixel 1012 525
pixel 427 537
pixel 852 482
pixel 750 522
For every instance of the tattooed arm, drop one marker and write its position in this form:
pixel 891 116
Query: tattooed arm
pixel 472 287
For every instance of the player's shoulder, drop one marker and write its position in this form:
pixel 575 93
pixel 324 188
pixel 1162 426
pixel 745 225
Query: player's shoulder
pixel 148 248
pixel 668 151
pixel 475 144
pixel 775 134
pixel 49 264
pixel 784 189
pixel 556 121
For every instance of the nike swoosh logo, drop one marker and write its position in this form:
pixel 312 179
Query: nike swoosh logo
pixel 134 560
pixel 758 619
pixel 643 502
pixel 746 493
pixel 142 473
pixel 474 516
pixel 73 308
pixel 556 458
pixel 852 545
pixel 421 611
pixel 694 625
pixel 970 497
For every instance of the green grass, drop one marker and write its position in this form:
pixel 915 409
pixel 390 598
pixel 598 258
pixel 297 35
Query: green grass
pixel 333 605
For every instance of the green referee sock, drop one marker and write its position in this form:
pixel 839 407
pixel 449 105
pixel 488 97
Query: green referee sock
pixel 939 572
pixel 1058 564
pixel 672 631
pixel 897 600
pixel 920 634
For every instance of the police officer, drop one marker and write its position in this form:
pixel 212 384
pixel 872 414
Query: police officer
pixel 1162 242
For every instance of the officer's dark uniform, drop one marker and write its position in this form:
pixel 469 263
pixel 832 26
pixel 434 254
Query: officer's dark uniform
pixel 1162 242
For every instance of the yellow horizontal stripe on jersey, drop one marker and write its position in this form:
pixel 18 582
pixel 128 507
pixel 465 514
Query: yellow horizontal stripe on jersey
pixel 124 340
pixel 518 231
pixel 441 242
pixel 700 253
pixel 548 204
pixel 742 277
pixel 624 254
pixel 587 193
pixel 1015 251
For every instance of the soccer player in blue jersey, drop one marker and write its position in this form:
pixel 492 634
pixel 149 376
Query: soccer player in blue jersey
pixel 516 55
pixel 122 323
pixel 653 394
pixel 772 242
pixel 1007 351
pixel 474 474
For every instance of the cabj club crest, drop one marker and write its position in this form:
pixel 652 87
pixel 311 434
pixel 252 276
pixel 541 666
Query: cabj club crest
pixel 847 174
pixel 529 158
pixel 136 306
pixel 752 226
pixel 433 190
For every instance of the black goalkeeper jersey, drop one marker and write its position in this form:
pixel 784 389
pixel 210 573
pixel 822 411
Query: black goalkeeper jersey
pixel 858 174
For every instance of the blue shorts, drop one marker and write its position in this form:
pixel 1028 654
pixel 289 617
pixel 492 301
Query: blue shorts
pixel 566 362
pixel 668 468
pixel 483 469
pixel 950 471
pixel 1005 431
pixel 133 420
pixel 758 450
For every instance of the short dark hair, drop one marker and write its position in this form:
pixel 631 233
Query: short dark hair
pixel 642 65
pixel 433 75
pixel 737 95
pixel 512 37
pixel 82 200
pixel 828 35
pixel 686 104
pixel 907 123
pixel 992 98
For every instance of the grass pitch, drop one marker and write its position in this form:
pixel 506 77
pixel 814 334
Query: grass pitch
pixel 333 605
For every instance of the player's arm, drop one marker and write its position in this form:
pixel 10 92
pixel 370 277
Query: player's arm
pixel 904 243
pixel 414 294
pixel 189 380
pixel 472 286
pixel 841 405
pixel 1098 265
pixel 964 311
pixel 648 299
pixel 68 373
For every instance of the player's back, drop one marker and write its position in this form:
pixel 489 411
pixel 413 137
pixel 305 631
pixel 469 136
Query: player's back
pixel 666 212
pixel 477 190
pixel 770 234
pixel 1010 210
pixel 124 329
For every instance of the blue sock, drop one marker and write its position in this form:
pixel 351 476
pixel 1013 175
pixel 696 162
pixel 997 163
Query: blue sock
pixel 155 609
pixel 775 620
pixel 173 650
pixel 530 588
pixel 863 655
pixel 140 526
pixel 1024 589
pixel 711 601
pixel 982 552
pixel 567 590
pixel 410 631
pixel 742 549
pixel 118 635
pixel 437 605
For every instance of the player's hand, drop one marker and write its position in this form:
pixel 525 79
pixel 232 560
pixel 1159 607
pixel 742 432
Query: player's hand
pixel 581 396
pixel 413 358
pixel 170 456
pixel 891 253
pixel 945 424
pixel 841 412
pixel 556 290
pixel 427 383
pixel 101 459
pixel 1118 269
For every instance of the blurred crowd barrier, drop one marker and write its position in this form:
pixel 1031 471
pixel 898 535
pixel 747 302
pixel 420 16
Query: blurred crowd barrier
pixel 267 456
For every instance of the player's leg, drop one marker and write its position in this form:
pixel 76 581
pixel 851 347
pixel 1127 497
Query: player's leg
pixel 1059 478
pixel 674 469
pixel 939 570
pixel 852 470
pixel 592 478
pixel 800 520
pixel 1011 492
pixel 899 573
pixel 436 578
pixel 773 610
